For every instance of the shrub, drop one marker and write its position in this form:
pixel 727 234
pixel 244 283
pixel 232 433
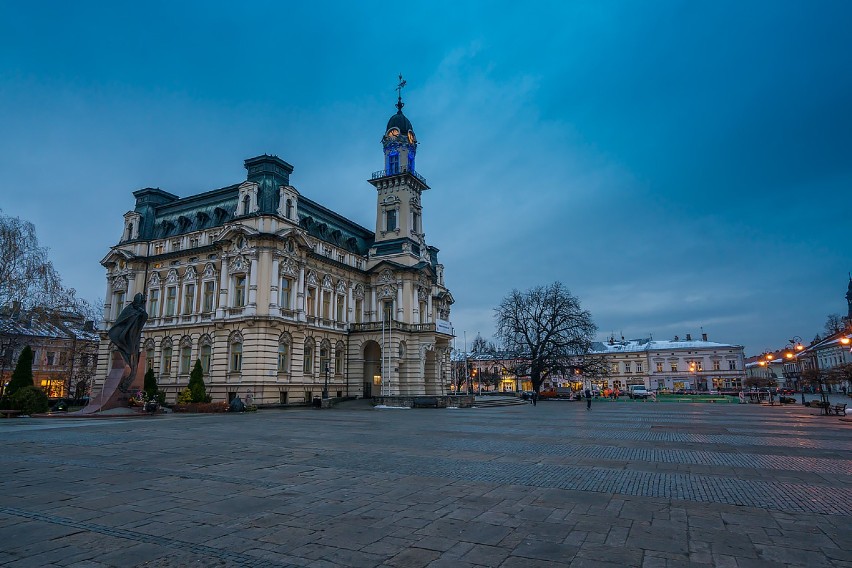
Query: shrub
pixel 30 400
pixel 150 386
pixel 185 396
pixel 202 407
pixel 22 377
pixel 196 384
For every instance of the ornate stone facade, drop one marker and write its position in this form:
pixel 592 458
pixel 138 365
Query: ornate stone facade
pixel 276 294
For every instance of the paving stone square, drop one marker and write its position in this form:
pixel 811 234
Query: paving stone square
pixel 552 485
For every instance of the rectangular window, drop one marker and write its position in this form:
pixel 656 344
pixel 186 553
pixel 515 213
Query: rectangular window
pixel 205 359
pixel 185 359
pixel 236 357
pixel 674 367
pixel 188 298
pixel 659 367
pixel 326 304
pixel 423 308
pixel 309 302
pixel 340 308
pixel 283 352
pixel 167 361
pixel 732 365
pixel 391 220
pixel 338 360
pixel 154 304
pixel 171 296
pixel 627 367
pixel 119 304
pixel 239 291
pixel 387 310
pixel 51 358
pixel 209 288
pixel 359 307
pixel 308 360
pixel 717 365
pixel 699 366
pixel 638 367
pixel 285 293
pixel 393 163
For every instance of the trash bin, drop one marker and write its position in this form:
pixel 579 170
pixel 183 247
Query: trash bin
pixel 317 402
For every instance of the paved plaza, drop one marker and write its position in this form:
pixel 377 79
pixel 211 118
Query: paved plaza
pixel 625 484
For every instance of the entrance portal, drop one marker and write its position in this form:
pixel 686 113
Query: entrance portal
pixel 372 369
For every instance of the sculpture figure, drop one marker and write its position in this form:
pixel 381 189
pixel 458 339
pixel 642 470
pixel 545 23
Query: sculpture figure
pixel 126 332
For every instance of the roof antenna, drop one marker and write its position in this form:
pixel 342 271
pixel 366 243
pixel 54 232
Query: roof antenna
pixel 399 103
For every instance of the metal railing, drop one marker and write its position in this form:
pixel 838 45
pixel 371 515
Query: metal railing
pixel 402 170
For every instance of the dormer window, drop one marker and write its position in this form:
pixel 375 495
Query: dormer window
pixel 246 205
pixel 289 210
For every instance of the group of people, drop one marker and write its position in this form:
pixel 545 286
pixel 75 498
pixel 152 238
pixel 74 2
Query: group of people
pixel 611 393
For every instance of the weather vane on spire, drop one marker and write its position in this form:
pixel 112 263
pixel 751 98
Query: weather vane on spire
pixel 399 103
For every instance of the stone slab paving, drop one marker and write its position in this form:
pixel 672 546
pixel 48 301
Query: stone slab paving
pixel 522 486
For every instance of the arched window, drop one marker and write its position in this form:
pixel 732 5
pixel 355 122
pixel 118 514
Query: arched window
pixel 236 358
pixel 338 358
pixel 325 356
pixel 283 357
pixel 185 357
pixel 205 351
pixel 308 357
pixel 149 354
pixel 289 208
pixel 166 360
pixel 246 203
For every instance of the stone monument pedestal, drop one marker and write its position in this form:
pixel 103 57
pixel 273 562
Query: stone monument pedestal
pixel 118 387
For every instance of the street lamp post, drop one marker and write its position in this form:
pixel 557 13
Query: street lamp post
pixel 325 386
pixel 791 354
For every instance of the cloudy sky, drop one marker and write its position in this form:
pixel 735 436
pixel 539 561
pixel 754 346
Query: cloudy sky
pixel 679 166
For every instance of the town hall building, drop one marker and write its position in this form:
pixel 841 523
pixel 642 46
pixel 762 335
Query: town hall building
pixel 281 298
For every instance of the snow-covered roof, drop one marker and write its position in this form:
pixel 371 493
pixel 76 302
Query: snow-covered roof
pixel 645 345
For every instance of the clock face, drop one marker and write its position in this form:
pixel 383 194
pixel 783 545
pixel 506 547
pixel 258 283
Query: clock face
pixel 411 137
pixel 393 132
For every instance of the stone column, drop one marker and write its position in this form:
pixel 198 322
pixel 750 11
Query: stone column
pixel 373 307
pixel 300 306
pixel 400 306
pixel 429 308
pixel 274 287
pixel 350 304
pixel 223 290
pixel 252 291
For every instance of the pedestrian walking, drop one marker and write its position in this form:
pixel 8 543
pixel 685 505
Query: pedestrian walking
pixel 588 399
pixel 535 397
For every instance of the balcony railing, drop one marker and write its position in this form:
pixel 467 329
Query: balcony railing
pixel 402 170
pixel 391 326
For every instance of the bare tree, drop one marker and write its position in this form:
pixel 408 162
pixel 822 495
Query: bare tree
pixel 545 327
pixel 479 345
pixel 834 323
pixel 27 277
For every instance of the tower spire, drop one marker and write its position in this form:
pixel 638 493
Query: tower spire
pixel 400 85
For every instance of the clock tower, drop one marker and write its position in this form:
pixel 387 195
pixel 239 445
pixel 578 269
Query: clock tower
pixel 399 231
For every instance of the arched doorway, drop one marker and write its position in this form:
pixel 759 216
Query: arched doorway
pixel 372 369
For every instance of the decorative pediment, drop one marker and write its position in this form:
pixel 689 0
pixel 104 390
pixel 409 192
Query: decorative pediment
pixel 233 232
pixel 327 282
pixel 390 200
pixel 154 280
pixel 209 271
pixel 341 287
pixel 239 264
pixel 172 277
pixel 119 283
pixel 423 294
pixel 311 278
pixel 190 275
pixel 386 275
pixel 288 266
pixel 358 292
pixel 387 291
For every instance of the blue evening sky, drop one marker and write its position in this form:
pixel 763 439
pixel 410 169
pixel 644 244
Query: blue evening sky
pixel 677 165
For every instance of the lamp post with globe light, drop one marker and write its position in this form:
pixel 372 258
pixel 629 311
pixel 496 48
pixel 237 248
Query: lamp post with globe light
pixel 791 354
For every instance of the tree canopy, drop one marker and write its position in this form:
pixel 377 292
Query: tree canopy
pixel 546 328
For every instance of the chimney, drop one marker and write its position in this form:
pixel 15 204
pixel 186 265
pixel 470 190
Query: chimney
pixel 703 337
pixel 689 337
pixel 677 338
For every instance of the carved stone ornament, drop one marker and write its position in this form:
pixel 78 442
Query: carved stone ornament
pixel 341 287
pixel 209 271
pixel 387 291
pixel 119 283
pixel 287 266
pixel 390 200
pixel 422 294
pixel 189 275
pixel 358 293
pixel 172 277
pixel 386 275
pixel 154 280
pixel 311 278
pixel 238 264
pixel 327 282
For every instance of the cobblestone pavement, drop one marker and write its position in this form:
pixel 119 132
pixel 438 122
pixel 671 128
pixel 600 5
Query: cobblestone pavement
pixel 533 487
